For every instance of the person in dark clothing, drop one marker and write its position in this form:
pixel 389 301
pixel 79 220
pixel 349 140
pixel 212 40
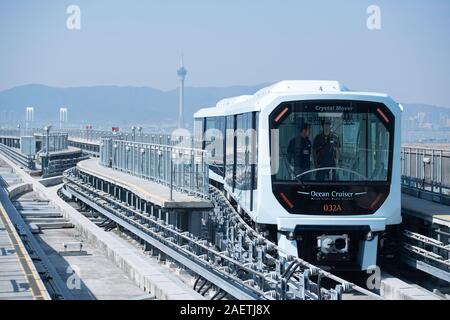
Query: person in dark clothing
pixel 326 151
pixel 299 151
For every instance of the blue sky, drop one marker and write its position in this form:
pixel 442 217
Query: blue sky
pixel 230 42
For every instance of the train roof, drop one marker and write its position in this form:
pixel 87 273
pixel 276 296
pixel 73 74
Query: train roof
pixel 247 103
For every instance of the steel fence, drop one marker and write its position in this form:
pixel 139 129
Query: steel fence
pixel 56 141
pixel 181 168
pixel 135 136
pixel 15 155
pixel 427 169
pixel 10 132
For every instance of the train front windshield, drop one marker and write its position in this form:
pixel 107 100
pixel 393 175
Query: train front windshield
pixel 331 156
pixel 331 141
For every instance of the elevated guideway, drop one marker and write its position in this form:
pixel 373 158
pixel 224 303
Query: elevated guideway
pixel 91 147
pixel 433 212
pixel 412 206
pixel 146 190
pixel 19 279
pixel 128 191
pixel 42 153
pixel 426 210
pixel 230 256
pixel 125 272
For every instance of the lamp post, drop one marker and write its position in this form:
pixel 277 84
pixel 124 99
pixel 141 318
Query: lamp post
pixel 172 156
pixel 47 139
pixel 426 161
pixel 142 150
pixel 127 149
pixel 47 147
pixel 114 164
pixel 133 133
pixel 139 132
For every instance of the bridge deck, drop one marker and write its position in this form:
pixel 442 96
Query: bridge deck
pixel 69 150
pixel 93 142
pixel 148 190
pixel 425 209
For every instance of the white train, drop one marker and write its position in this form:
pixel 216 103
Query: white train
pixel 313 165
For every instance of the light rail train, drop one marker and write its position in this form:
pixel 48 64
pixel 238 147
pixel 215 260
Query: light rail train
pixel 312 165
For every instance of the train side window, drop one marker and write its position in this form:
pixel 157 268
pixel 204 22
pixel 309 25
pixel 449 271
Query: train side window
pixel 229 151
pixel 244 158
pixel 198 133
pixel 254 161
pixel 215 127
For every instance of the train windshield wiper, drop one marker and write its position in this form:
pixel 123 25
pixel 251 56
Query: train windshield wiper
pixel 299 176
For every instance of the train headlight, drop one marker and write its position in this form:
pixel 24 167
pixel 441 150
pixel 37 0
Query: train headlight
pixel 369 236
pixel 290 236
pixel 333 244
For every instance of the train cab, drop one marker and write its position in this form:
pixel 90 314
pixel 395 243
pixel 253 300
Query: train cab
pixel 312 164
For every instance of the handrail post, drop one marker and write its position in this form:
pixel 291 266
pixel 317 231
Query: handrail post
pixel 440 172
pixel 171 177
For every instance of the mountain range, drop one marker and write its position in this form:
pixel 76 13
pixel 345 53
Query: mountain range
pixel 113 104
pixel 125 105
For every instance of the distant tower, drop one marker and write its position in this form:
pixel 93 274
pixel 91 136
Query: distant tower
pixel 62 116
pixel 182 74
pixel 29 118
pixel 29 114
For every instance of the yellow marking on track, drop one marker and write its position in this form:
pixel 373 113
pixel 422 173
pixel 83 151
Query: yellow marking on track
pixel 36 285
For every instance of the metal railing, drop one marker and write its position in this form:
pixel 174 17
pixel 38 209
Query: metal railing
pixel 56 140
pixel 18 157
pixel 91 134
pixel 180 168
pixel 56 167
pixel 95 136
pixel 426 169
pixel 10 132
pixel 428 254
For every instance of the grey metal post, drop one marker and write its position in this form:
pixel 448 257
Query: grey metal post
pixel 417 164
pixel 133 133
pixel 440 172
pixel 432 170
pixel 191 173
pixel 171 176
pixel 139 132
pixel 47 132
pixel 409 164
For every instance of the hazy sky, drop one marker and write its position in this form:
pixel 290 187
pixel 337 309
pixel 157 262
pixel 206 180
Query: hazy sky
pixel 230 42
